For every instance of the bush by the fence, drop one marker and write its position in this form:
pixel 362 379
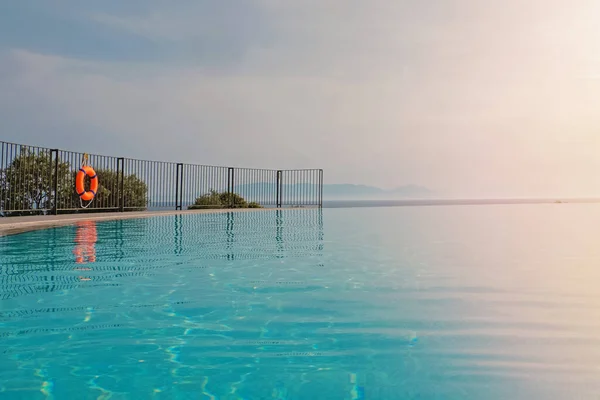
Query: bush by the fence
pixel 214 199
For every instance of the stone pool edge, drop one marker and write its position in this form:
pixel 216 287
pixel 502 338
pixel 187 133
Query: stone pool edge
pixel 16 225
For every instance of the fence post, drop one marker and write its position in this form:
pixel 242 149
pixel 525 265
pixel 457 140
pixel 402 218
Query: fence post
pixel 179 187
pixel 231 184
pixel 320 188
pixel 121 183
pixel 278 189
pixel 55 181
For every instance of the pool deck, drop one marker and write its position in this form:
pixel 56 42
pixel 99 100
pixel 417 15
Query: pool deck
pixel 15 225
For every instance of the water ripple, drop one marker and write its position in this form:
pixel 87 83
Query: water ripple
pixel 349 304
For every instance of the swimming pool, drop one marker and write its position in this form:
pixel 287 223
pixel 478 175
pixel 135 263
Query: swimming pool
pixel 458 302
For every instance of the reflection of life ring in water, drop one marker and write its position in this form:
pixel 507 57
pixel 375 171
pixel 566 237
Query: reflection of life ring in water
pixel 85 242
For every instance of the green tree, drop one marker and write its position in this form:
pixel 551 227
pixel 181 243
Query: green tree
pixel 27 182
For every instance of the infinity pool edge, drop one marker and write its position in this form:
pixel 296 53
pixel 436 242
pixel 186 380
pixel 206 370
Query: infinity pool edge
pixel 17 225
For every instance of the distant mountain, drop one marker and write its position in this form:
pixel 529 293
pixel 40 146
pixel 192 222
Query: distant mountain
pixel 341 191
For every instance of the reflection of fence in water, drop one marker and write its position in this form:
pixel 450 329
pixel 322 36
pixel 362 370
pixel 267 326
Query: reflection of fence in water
pixel 234 235
pixel 140 247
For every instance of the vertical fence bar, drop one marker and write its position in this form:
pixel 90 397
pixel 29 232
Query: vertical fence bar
pixel 122 188
pixel 295 186
pixel 278 190
pixel 230 185
pixel 120 183
pixel 4 178
pixel 179 187
pixel 176 186
pixel 4 187
pixel 233 187
pixel 55 182
pixel 12 200
pixel 321 188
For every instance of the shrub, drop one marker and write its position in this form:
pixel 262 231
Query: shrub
pixel 211 199
pixel 214 199
pixel 233 200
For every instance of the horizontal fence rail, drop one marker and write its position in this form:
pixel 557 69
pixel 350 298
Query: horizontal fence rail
pixel 37 180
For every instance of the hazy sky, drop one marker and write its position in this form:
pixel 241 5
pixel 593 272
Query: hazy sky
pixel 469 97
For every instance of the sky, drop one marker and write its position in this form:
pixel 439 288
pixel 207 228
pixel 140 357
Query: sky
pixel 469 98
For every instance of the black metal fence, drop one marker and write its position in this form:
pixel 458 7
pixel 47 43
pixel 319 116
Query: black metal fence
pixel 37 180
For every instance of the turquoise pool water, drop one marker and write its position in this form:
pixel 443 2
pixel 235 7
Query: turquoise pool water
pixel 474 302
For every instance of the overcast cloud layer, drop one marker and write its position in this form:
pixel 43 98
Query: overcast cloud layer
pixel 469 98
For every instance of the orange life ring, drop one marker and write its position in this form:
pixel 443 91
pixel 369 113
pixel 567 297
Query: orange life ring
pixel 80 187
